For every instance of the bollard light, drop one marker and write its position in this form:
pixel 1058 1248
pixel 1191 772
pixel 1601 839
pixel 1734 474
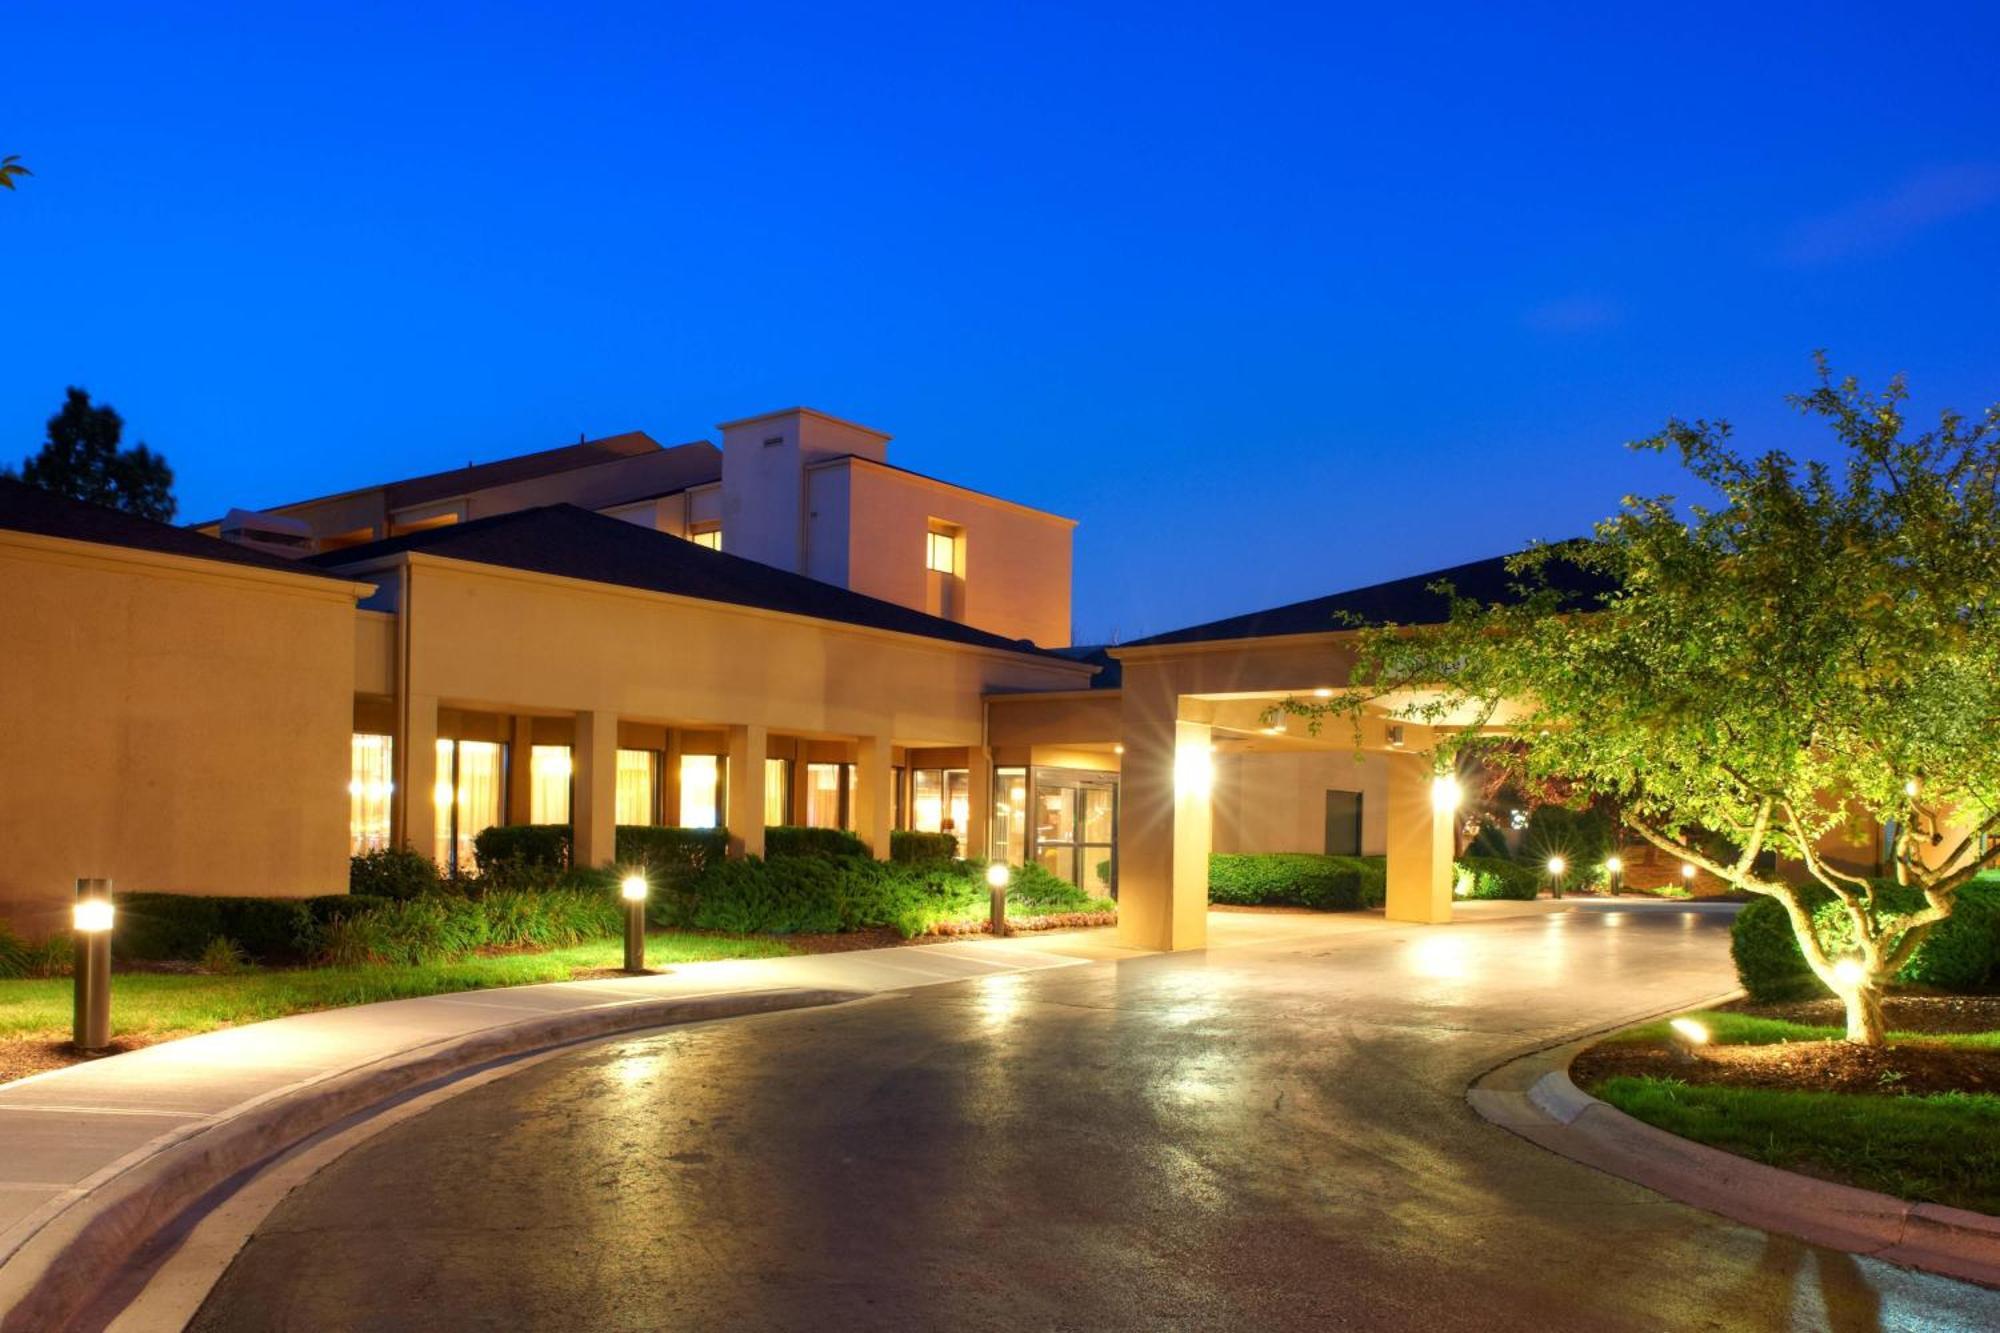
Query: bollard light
pixel 92 917
pixel 633 890
pixel 1614 866
pixel 998 876
pixel 1556 867
pixel 1687 871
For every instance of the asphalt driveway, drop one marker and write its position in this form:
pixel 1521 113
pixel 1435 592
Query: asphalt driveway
pixel 1268 1134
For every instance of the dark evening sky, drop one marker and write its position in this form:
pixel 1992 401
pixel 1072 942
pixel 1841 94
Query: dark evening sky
pixel 1274 301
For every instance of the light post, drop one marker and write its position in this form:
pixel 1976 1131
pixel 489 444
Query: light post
pixel 1556 867
pixel 997 878
pixel 633 890
pixel 1614 867
pixel 92 917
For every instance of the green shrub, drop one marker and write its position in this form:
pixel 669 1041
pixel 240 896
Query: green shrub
pixel 1961 953
pixel 16 955
pixel 536 846
pixel 913 848
pixel 53 957
pixel 223 957
pixel 790 840
pixel 1292 879
pixel 393 872
pixel 670 854
pixel 159 927
pixel 1491 877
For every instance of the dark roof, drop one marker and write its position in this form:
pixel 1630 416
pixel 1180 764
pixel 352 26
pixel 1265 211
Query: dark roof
pixel 1407 601
pixel 575 543
pixel 1110 671
pixel 25 508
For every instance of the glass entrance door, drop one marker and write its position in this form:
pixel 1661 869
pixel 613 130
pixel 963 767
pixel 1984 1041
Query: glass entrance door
pixel 1076 828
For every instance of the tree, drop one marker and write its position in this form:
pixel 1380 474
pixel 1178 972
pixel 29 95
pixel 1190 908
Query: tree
pixel 10 167
pixel 1817 649
pixel 81 459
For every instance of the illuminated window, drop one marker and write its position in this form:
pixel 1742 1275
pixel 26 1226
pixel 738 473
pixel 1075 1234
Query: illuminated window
pixel 709 535
pixel 369 783
pixel 470 778
pixel 777 792
pixel 939 799
pixel 941 551
pixel 637 770
pixel 701 791
pixel 827 787
pixel 548 784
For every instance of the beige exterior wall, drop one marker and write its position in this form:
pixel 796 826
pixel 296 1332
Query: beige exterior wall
pixel 174 724
pixel 1016 576
pixel 1276 802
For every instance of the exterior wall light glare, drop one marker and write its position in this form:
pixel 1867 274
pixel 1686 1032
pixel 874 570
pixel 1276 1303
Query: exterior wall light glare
pixel 1445 793
pixel 1322 693
pixel 1194 771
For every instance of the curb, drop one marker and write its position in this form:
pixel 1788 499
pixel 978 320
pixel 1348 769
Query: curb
pixel 1533 1097
pixel 57 1272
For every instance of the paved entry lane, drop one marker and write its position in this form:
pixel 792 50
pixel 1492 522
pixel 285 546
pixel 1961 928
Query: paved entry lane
pixel 1270 1134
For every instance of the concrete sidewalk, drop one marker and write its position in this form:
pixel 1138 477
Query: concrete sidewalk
pixel 68 1134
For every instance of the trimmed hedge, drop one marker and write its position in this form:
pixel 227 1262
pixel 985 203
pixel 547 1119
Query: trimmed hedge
pixel 1495 877
pixel 1961 953
pixel 669 853
pixel 1296 879
pixel 522 846
pixel 783 840
pixel 913 848
pixel 825 894
pixel 393 872
pixel 161 927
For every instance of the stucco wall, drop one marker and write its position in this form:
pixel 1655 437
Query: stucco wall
pixel 173 724
pixel 1017 560
pixel 1276 802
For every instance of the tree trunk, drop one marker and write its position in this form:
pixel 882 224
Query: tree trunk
pixel 1865 1026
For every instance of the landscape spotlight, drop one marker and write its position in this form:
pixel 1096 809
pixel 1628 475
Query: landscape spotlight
pixel 633 890
pixel 998 875
pixel 92 917
pixel 1689 1031
pixel 1849 972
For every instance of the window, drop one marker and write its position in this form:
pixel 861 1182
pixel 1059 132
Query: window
pixel 939 799
pixel 637 778
pixel 470 778
pixel 548 784
pixel 707 534
pixel 777 792
pixel 941 551
pixel 1010 815
pixel 827 802
pixel 369 784
pixel 701 791
pixel 1343 823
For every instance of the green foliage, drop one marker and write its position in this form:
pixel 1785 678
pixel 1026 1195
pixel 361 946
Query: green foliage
pixel 15 954
pixel 440 929
pixel 223 957
pixel 911 847
pixel 669 854
pixel 790 840
pixel 393 872
pixel 1961 953
pixel 160 927
pixel 521 847
pixel 1495 877
pixel 825 894
pixel 81 457
pixel 1583 838
pixel 1295 879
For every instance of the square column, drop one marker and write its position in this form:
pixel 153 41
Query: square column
pixel 670 780
pixel 1419 842
pixel 413 804
pixel 874 794
pixel 1165 821
pixel 594 806
pixel 748 746
pixel 520 772
pixel 976 838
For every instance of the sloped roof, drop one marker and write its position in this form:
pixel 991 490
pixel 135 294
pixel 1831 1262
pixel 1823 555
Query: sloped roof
pixel 1405 601
pixel 570 542
pixel 25 508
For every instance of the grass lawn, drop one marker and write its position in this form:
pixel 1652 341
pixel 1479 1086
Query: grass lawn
pixel 154 1002
pixel 1943 1148
pixel 1729 1028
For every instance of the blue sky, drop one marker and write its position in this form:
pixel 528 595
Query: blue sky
pixel 1273 300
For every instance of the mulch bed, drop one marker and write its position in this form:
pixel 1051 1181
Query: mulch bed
pixel 22 1056
pixel 1909 1067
